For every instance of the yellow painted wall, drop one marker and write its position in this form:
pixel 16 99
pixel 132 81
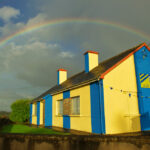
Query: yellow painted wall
pixel 93 60
pixel 34 117
pixel 121 111
pixel 83 121
pixel 41 112
pixel 62 76
pixel 56 119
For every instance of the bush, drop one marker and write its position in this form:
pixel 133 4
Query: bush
pixel 20 111
pixel 4 121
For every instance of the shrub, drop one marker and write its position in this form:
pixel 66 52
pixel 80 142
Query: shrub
pixel 20 111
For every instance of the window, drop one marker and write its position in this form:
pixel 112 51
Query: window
pixel 60 107
pixel 75 106
pixel 68 106
pixel 34 109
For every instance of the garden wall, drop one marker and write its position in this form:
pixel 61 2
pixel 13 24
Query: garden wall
pixel 73 142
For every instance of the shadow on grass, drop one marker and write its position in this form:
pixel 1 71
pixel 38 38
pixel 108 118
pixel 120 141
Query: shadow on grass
pixel 5 121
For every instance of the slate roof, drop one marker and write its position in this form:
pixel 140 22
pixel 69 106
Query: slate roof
pixel 85 78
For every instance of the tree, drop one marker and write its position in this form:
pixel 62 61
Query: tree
pixel 20 110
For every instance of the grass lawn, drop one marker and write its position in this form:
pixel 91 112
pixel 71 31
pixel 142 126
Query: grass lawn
pixel 18 128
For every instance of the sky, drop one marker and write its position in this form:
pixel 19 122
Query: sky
pixel 37 37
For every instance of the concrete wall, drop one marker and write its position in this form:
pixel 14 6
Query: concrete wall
pixel 142 65
pixel 48 110
pixel 52 142
pixel 120 99
pixel 57 120
pixel 82 122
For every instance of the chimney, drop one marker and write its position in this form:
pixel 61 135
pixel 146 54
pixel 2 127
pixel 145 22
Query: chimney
pixel 61 75
pixel 91 60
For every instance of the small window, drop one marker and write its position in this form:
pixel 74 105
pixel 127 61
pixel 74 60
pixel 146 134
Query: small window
pixel 76 106
pixel 59 107
pixel 34 109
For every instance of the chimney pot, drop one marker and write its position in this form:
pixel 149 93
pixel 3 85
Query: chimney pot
pixel 91 60
pixel 61 75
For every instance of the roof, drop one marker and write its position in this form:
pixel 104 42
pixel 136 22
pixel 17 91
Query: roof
pixel 98 72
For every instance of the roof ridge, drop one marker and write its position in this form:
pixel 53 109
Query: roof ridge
pixel 106 60
pixel 122 52
pixel 83 77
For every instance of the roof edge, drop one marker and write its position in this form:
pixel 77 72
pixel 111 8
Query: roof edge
pixel 106 72
pixel 61 69
pixel 73 87
pixel 91 51
pixel 100 76
pixel 76 86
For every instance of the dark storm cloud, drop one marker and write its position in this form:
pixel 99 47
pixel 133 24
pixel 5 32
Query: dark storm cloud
pixel 31 60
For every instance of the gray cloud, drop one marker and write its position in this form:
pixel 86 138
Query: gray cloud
pixel 133 13
pixel 35 62
pixel 29 62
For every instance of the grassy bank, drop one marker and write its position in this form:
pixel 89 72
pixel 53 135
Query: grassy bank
pixel 18 128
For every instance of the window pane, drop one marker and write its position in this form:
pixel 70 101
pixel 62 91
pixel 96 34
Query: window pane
pixel 67 106
pixel 76 105
pixel 34 109
pixel 60 107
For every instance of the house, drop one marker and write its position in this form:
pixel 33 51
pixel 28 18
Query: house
pixel 107 98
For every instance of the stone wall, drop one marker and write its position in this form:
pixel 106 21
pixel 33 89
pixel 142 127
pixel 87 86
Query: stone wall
pixel 73 142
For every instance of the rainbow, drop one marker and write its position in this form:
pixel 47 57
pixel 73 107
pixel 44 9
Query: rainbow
pixel 53 23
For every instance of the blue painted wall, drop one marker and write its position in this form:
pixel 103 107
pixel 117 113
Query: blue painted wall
pixel 142 65
pixel 58 78
pixel 48 110
pixel 38 113
pixel 101 90
pixel 86 62
pixel 66 118
pixel 30 113
pixel 97 107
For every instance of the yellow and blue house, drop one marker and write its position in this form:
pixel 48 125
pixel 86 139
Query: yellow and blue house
pixel 110 97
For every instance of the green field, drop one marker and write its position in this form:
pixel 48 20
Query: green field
pixel 18 128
